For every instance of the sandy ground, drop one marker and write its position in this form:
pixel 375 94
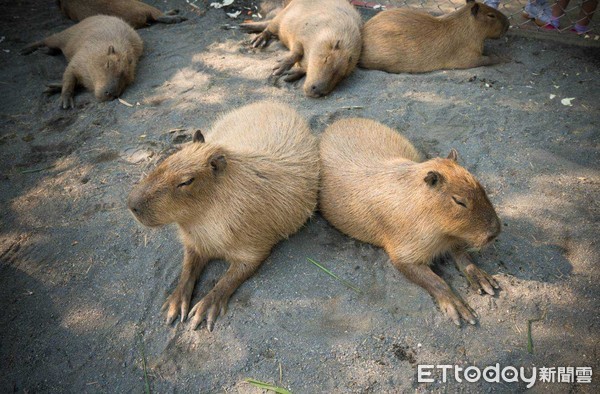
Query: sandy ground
pixel 81 283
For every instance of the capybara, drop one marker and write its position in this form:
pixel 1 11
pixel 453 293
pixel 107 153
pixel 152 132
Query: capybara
pixel 134 12
pixel 404 40
pixel 102 52
pixel 375 188
pixel 323 37
pixel 249 183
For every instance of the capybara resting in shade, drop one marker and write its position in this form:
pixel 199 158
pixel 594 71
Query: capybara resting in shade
pixel 234 193
pixel 376 188
pixel 102 51
pixel 134 12
pixel 323 37
pixel 403 40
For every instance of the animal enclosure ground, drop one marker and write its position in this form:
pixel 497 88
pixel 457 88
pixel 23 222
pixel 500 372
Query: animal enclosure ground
pixel 81 284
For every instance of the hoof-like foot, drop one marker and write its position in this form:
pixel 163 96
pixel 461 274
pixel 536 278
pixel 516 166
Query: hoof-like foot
pixel 479 280
pixel 177 304
pixel 262 40
pixel 211 306
pixel 455 308
pixel 67 101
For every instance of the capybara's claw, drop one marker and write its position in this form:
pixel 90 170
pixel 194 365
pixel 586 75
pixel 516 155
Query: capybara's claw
pixel 293 75
pixel 53 88
pixel 172 12
pixel 66 101
pixel 211 306
pixel 177 304
pixel 261 40
pixel 456 309
pixel 479 280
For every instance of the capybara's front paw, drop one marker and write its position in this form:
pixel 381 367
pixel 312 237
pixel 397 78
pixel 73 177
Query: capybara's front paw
pixel 455 308
pixel 211 306
pixel 66 101
pixel 261 40
pixel 479 280
pixel 178 303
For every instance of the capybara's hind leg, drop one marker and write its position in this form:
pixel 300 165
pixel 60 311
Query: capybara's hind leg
pixel 170 19
pixel 215 302
pixel 478 279
pixel 53 88
pixel 68 89
pixel 449 303
pixel 32 47
pixel 254 27
pixel 178 303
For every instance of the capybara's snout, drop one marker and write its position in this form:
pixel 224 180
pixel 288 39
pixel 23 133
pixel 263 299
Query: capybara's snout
pixel 109 91
pixel 318 89
pixel 137 202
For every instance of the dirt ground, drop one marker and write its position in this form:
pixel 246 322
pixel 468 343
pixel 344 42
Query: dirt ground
pixel 81 283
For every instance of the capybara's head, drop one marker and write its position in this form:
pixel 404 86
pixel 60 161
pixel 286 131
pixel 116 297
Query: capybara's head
pixel 459 205
pixel 180 187
pixel 489 21
pixel 113 73
pixel 329 62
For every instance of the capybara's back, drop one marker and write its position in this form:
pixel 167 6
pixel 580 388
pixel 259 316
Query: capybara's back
pixel 406 40
pixel 134 12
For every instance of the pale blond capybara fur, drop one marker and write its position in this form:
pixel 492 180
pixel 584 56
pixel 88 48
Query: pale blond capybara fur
pixel 134 12
pixel 375 188
pixel 323 37
pixel 102 52
pixel 410 41
pixel 251 182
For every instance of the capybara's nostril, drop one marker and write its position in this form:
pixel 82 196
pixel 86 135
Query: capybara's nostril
pixel 313 88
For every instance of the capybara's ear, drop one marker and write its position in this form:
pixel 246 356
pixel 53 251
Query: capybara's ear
pixel 475 9
pixel 453 155
pixel 433 178
pixel 218 163
pixel 111 50
pixel 198 137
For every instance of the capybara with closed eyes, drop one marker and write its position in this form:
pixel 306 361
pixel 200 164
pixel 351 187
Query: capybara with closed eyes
pixel 403 40
pixel 234 193
pixel 323 37
pixel 376 188
pixel 102 52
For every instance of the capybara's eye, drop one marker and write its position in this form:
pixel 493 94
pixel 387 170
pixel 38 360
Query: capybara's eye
pixel 186 183
pixel 459 202
pixel 492 16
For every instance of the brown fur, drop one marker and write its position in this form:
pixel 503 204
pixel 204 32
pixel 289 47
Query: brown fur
pixel 375 188
pixel 323 37
pixel 255 182
pixel 134 12
pixel 404 40
pixel 102 52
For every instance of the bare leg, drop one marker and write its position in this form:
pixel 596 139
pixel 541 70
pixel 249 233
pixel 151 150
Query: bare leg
pixel 558 9
pixel 68 89
pixel 178 303
pixel 215 302
pixel 449 303
pixel 478 279
pixel 587 12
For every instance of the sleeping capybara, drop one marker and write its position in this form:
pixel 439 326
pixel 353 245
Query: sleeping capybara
pixel 249 183
pixel 134 12
pixel 410 41
pixel 376 188
pixel 102 52
pixel 323 37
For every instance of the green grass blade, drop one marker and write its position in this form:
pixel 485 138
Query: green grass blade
pixel 345 282
pixel 267 386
